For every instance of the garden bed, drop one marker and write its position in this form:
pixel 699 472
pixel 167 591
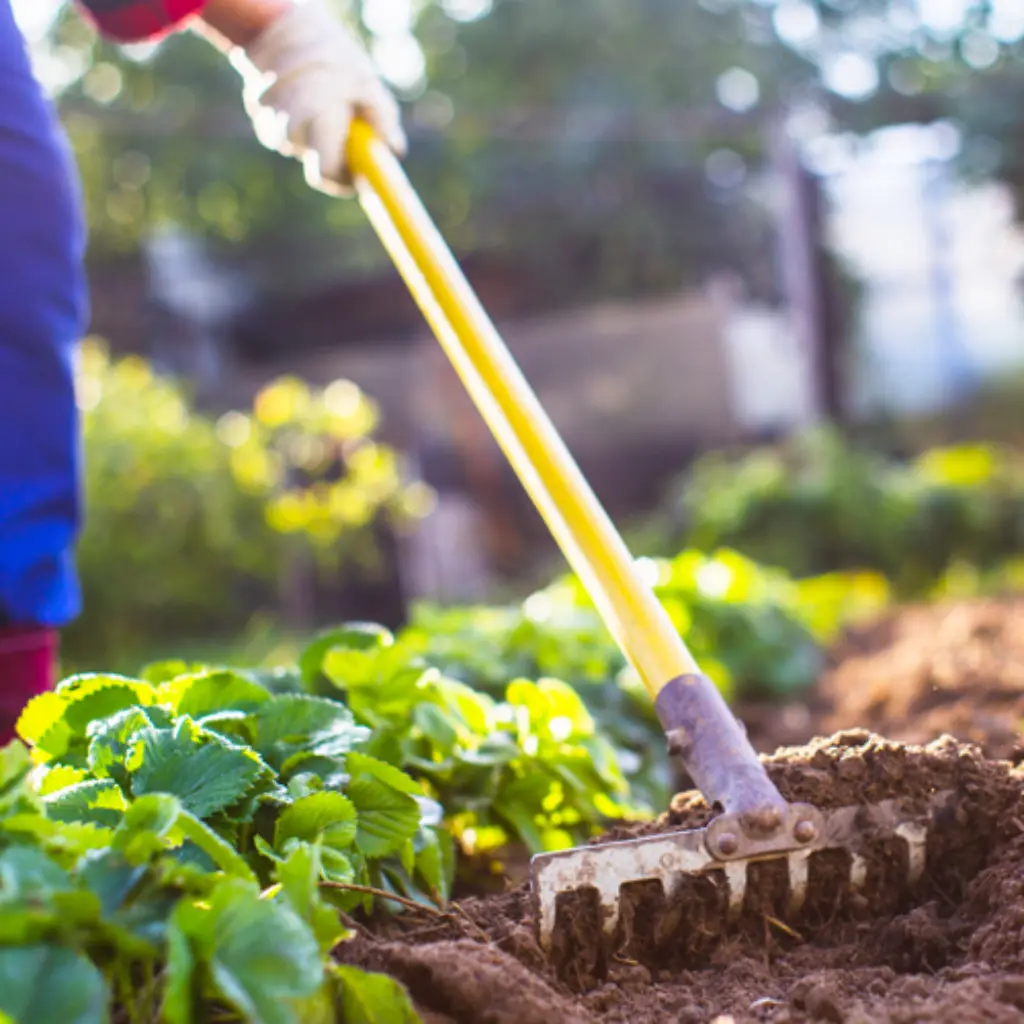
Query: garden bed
pixel 951 951
pixel 953 668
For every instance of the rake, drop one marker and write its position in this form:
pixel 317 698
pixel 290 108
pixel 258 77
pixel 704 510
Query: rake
pixel 755 822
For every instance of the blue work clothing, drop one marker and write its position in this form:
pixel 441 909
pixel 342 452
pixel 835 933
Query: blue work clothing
pixel 43 313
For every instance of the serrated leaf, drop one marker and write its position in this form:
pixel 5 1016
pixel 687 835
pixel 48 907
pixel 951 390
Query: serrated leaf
pixel 202 770
pixel 373 998
pixel 58 777
pixel 42 725
pixel 70 838
pixel 327 816
pixel 296 724
pixel 44 984
pixel 387 816
pixel 260 954
pixel 99 801
pixel 112 740
pixel 208 692
pixel 96 696
pixel 363 764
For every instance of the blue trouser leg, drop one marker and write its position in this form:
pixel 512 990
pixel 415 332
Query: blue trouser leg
pixel 43 310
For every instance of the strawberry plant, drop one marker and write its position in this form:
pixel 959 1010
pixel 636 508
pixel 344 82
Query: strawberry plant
pixel 756 632
pixel 186 845
pixel 179 846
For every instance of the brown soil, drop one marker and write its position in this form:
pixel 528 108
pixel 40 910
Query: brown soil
pixel 954 668
pixel 920 672
pixel 950 951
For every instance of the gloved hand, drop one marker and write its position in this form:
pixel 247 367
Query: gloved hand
pixel 305 78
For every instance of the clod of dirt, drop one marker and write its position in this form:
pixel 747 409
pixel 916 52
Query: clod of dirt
pixel 474 983
pixel 950 953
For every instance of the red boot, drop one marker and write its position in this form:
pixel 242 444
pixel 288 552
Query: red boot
pixel 28 656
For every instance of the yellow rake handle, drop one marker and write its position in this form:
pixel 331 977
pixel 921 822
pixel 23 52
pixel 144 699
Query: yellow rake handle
pixel 579 524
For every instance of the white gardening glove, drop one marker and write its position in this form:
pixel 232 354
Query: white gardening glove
pixel 305 78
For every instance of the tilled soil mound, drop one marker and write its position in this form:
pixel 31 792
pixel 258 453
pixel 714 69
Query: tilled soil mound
pixel 920 672
pixel 954 668
pixel 950 951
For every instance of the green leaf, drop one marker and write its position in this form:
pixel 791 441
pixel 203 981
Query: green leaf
pixel 158 672
pixel 29 874
pixel 337 866
pixel 472 707
pixel 208 692
pixel 179 986
pixel 373 998
pixel 260 954
pixel 111 879
pixel 433 723
pixel 156 813
pixel 499 748
pixel 112 740
pixel 44 984
pixel 96 696
pixel 222 853
pixel 387 816
pixel 299 876
pixel 15 764
pixel 355 636
pixel 99 801
pixel 54 720
pixel 363 764
pixel 42 724
pixel 204 771
pixel 326 815
pixel 294 724
pixel 435 861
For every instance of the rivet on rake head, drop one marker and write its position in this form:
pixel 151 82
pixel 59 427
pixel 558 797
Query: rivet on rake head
pixel 728 844
pixel 805 832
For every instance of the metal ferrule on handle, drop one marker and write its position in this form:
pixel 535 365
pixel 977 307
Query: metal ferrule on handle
pixel 589 541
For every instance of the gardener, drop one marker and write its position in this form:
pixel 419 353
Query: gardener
pixel 304 77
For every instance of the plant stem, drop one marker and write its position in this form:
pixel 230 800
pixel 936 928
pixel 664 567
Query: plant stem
pixel 383 894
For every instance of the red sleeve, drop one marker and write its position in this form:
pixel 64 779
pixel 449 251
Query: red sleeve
pixel 131 21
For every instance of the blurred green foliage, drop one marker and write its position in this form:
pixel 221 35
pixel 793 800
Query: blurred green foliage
pixel 817 503
pixel 758 634
pixel 190 521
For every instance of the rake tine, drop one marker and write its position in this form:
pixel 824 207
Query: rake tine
pixel 798 865
pixel 736 876
pixel 915 836
pixel 673 857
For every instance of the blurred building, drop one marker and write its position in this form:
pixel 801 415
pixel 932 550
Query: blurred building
pixel 940 264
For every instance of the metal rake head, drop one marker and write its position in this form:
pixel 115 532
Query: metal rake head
pixel 729 844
